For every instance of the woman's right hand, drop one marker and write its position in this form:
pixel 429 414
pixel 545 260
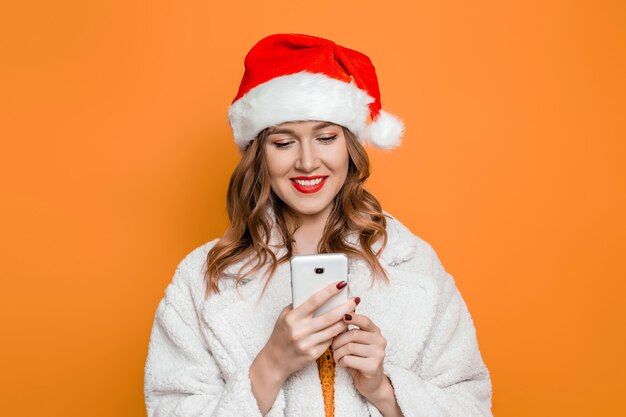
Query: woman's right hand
pixel 299 338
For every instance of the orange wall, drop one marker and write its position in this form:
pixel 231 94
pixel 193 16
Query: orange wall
pixel 116 154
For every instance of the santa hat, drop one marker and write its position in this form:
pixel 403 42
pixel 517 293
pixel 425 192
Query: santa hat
pixel 291 77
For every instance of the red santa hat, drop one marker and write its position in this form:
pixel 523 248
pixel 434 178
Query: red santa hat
pixel 291 77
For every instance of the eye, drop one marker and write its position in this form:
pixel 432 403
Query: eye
pixel 327 139
pixel 282 145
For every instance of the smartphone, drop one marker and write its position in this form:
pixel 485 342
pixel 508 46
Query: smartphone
pixel 311 273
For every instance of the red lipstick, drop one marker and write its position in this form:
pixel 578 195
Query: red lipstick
pixel 308 189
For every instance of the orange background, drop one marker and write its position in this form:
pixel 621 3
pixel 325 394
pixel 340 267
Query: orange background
pixel 116 154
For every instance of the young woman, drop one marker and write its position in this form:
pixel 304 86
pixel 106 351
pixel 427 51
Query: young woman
pixel 226 340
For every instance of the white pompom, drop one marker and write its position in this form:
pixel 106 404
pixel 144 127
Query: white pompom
pixel 386 131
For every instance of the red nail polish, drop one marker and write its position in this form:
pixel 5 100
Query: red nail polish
pixel 357 300
pixel 342 284
pixel 347 317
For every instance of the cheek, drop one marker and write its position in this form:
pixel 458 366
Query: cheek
pixel 341 157
pixel 341 162
pixel 275 164
pixel 278 169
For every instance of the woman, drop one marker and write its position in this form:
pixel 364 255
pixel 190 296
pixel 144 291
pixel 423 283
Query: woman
pixel 226 340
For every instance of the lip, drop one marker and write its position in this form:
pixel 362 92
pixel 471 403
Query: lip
pixel 309 178
pixel 308 189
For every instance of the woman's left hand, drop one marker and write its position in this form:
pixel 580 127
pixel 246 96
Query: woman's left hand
pixel 362 351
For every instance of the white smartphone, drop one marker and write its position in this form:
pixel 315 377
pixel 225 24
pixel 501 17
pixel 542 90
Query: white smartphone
pixel 311 273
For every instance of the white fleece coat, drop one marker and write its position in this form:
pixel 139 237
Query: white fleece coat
pixel 200 352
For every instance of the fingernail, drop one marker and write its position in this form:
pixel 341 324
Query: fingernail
pixel 347 317
pixel 342 284
pixel 357 300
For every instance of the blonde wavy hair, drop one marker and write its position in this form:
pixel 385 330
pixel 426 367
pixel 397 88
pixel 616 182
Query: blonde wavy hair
pixel 250 197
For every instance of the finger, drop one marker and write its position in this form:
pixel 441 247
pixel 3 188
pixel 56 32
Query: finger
pixel 355 336
pixel 320 348
pixel 332 316
pixel 316 300
pixel 330 332
pixel 355 349
pixel 362 322
pixel 365 365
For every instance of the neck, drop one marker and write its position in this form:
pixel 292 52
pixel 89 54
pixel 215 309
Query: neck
pixel 309 234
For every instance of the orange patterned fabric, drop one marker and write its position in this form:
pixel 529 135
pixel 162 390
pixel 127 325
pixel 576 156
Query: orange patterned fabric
pixel 326 370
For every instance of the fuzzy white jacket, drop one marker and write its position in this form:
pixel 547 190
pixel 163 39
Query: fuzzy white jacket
pixel 200 351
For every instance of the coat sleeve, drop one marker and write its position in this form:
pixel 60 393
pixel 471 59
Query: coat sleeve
pixel 451 380
pixel 181 376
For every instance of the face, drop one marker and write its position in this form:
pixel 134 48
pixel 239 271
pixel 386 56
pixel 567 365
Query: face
pixel 308 164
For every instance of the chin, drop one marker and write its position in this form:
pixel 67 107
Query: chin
pixel 308 211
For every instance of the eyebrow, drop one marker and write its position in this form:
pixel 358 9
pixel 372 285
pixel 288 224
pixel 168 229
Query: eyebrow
pixel 319 126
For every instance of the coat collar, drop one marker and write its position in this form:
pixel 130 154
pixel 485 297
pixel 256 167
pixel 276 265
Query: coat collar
pixel 401 245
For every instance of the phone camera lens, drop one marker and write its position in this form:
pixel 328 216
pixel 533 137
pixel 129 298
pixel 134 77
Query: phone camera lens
pixel 319 270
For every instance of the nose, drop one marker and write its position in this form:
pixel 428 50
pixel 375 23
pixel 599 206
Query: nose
pixel 308 160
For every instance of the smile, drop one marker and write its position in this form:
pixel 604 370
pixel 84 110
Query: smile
pixel 308 185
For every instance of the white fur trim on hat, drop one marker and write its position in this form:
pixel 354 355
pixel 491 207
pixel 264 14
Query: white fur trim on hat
pixel 385 131
pixel 302 96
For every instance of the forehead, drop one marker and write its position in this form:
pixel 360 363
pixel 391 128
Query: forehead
pixel 296 125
